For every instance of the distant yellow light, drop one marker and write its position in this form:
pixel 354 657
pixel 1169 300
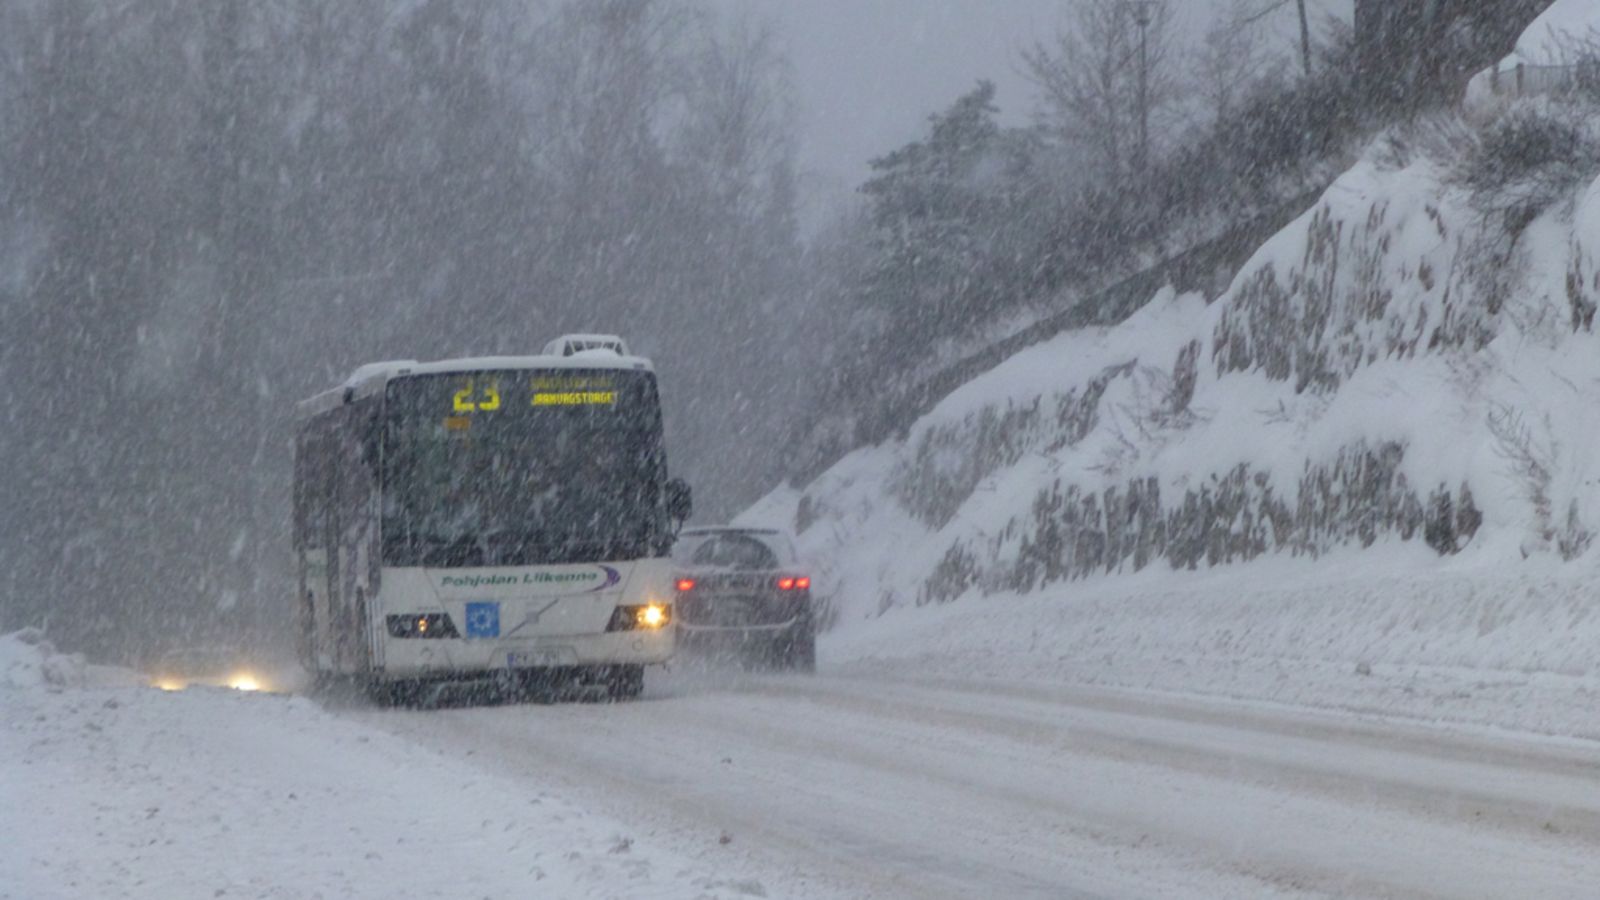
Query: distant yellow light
pixel 244 682
pixel 653 616
pixel 422 625
pixel 170 684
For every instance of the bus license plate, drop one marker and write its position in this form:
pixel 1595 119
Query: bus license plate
pixel 541 657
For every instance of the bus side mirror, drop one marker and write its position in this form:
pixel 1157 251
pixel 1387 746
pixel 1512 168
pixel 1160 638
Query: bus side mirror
pixel 680 505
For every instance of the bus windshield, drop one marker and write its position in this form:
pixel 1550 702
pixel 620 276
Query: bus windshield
pixel 522 467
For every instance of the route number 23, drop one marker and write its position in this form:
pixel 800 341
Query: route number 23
pixel 469 400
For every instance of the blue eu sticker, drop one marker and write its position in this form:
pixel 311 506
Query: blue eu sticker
pixel 483 619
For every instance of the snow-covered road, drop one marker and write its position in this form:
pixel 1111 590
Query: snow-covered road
pixel 1260 732
pixel 875 780
pixel 881 777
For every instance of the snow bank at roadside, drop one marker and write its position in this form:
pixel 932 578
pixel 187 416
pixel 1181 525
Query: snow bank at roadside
pixel 1387 631
pixel 209 793
pixel 28 659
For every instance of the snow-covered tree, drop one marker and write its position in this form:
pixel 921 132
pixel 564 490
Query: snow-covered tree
pixel 932 202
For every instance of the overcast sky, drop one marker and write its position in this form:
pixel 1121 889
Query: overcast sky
pixel 869 72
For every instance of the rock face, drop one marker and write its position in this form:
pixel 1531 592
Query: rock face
pixel 1410 360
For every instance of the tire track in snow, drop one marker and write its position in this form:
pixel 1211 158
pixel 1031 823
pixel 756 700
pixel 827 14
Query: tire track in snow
pixel 1490 864
pixel 859 819
pixel 1541 789
pixel 904 787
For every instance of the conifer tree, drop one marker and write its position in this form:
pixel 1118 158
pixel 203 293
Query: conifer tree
pixel 930 208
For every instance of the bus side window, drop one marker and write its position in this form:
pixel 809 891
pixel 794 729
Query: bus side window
pixel 356 493
pixel 300 499
pixel 311 491
pixel 355 455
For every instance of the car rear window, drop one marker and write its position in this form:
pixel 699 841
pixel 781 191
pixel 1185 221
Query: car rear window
pixel 732 551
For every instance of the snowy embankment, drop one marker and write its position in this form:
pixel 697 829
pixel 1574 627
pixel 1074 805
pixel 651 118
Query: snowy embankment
pixel 1397 637
pixel 1360 477
pixel 134 792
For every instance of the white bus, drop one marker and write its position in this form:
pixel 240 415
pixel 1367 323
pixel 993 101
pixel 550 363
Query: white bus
pixel 504 518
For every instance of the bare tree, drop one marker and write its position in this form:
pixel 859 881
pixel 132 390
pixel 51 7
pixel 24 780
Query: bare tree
pixel 735 134
pixel 1231 60
pixel 214 209
pixel 1269 9
pixel 1105 77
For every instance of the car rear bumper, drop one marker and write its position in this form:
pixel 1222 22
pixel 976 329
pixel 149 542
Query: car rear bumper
pixel 686 628
pixel 741 640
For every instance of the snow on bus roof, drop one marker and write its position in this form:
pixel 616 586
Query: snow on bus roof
pixel 370 378
pixel 584 359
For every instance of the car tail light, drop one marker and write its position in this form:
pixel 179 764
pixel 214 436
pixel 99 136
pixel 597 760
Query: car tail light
pixel 802 583
pixel 685 585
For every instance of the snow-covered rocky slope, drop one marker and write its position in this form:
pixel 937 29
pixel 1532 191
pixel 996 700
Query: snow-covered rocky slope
pixel 1403 374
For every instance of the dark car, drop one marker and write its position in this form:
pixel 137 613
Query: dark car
pixel 742 593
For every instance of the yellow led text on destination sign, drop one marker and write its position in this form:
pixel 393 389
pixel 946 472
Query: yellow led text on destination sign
pixel 576 398
pixel 488 401
pixel 567 383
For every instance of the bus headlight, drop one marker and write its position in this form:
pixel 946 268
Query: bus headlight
pixel 648 616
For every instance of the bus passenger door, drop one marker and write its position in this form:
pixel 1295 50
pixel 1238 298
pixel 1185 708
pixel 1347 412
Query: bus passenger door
pixel 315 480
pixel 354 542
